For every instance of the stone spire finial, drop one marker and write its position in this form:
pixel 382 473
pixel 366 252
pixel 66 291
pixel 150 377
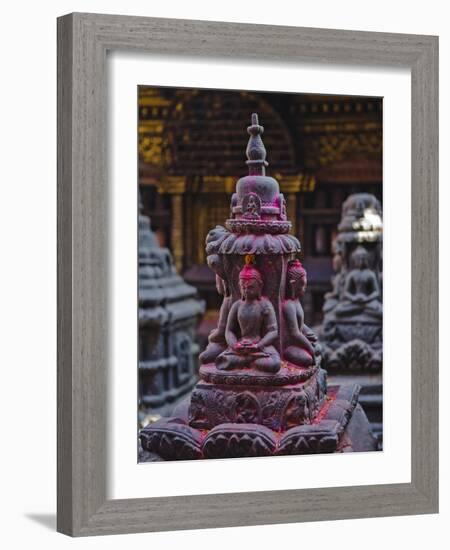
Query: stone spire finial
pixel 256 152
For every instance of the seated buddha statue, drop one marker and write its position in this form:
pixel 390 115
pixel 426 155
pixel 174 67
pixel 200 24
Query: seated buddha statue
pixel 216 340
pixel 298 339
pixel 361 291
pixel 251 329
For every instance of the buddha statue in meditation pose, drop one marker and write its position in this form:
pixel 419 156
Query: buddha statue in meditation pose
pixel 361 292
pixel 251 329
pixel 216 340
pixel 251 206
pixel 298 339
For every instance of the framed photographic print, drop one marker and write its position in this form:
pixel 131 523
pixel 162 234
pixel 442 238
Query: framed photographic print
pixel 247 274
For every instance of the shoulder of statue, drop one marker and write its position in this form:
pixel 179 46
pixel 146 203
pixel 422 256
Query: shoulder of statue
pixel 266 305
pixel 235 305
pixel 289 307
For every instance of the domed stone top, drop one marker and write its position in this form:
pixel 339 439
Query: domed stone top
pixel 257 206
pixel 265 187
pixel 361 218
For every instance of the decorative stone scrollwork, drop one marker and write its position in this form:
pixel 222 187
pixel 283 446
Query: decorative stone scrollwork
pixel 297 410
pixel 246 409
pixel 310 439
pixel 248 225
pixel 172 440
pixel 243 377
pixel 272 406
pixel 239 440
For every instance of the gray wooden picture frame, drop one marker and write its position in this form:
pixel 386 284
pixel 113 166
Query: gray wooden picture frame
pixel 83 42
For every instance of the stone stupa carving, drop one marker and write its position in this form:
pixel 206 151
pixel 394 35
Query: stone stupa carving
pixel 352 330
pixel 262 390
pixel 169 311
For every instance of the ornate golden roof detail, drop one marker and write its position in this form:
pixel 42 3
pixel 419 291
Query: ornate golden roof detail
pixel 172 185
pixel 304 183
pixel 218 184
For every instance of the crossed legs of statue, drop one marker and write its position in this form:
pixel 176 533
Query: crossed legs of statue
pixel 298 356
pixel 267 360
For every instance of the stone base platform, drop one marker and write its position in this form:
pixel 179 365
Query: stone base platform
pixel 339 426
pixel 370 397
pixel 278 401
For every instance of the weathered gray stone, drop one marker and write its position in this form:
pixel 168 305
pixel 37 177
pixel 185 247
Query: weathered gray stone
pixel 169 311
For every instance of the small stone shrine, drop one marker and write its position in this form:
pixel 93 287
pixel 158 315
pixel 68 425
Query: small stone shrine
pixel 352 333
pixel 262 390
pixel 351 336
pixel 169 311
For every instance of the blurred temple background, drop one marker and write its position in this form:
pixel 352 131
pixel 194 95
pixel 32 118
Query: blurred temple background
pixel 192 142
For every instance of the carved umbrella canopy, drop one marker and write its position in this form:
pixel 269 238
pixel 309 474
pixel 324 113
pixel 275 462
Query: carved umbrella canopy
pixel 261 390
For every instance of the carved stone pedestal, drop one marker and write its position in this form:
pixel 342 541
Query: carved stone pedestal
pixel 277 401
pixel 332 430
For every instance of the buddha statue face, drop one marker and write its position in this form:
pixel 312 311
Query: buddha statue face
pixel 250 289
pixel 296 278
pixel 360 258
pixel 251 205
pixel 298 287
pixel 250 283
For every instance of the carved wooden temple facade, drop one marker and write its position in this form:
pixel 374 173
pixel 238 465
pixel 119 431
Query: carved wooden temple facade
pixel 190 145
